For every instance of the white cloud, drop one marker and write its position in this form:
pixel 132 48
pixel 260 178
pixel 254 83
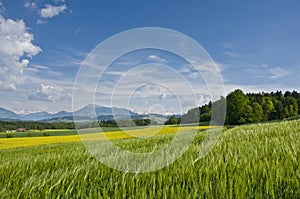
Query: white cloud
pixel 203 99
pixel 163 96
pixel 156 58
pixel 50 11
pixel 251 88
pixel 40 21
pixel 2 9
pixel 277 72
pixel 50 93
pixel 30 5
pixel 264 65
pixel 15 50
pixel 12 87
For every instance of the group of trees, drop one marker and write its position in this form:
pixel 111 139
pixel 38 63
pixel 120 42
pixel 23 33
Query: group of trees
pixel 126 123
pixel 173 120
pixel 260 107
pixel 9 125
pixel 14 125
pixel 248 108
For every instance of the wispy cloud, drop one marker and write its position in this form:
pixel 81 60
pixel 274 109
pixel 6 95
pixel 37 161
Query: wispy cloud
pixel 225 45
pixel 278 72
pixel 232 54
pixel 40 67
pixel 76 32
pixel 156 58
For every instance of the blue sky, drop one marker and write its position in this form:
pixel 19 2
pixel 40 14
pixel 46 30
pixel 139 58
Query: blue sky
pixel 43 43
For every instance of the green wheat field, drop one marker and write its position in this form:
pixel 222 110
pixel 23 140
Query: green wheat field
pixel 249 161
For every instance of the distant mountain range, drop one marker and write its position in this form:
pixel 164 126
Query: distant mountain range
pixel 85 113
pixel 6 114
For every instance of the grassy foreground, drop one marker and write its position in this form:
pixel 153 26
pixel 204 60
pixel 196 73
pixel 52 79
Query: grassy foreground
pixel 253 161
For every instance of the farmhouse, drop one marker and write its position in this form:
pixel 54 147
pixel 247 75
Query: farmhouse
pixel 21 130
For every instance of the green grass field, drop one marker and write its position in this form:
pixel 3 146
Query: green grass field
pixel 251 161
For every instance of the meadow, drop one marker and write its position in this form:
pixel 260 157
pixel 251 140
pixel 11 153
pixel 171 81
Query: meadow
pixel 250 161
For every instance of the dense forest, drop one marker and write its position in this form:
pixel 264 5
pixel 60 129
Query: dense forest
pixel 248 108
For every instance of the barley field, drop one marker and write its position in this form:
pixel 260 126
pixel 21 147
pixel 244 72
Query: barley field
pixel 251 161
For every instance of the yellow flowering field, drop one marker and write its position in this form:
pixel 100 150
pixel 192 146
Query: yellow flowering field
pixel 6 143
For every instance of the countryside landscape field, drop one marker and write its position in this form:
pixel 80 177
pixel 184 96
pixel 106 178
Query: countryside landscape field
pixel 152 99
pixel 250 161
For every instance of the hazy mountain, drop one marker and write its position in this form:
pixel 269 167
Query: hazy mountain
pixel 85 112
pixel 35 116
pixel 91 109
pixel 6 114
pixel 62 114
pixel 38 116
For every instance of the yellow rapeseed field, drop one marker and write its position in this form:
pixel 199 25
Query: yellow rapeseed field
pixel 6 143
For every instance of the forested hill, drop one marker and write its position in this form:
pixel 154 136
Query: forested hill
pixel 253 107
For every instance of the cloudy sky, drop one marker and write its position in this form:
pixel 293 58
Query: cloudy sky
pixel 255 44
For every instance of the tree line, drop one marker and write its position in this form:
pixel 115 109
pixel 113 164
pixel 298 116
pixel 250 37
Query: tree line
pixel 247 108
pixel 241 109
pixel 126 123
pixel 14 125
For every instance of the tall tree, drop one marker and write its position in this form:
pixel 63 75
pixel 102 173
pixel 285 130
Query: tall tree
pixel 257 113
pixel 290 106
pixel 268 107
pixel 237 107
